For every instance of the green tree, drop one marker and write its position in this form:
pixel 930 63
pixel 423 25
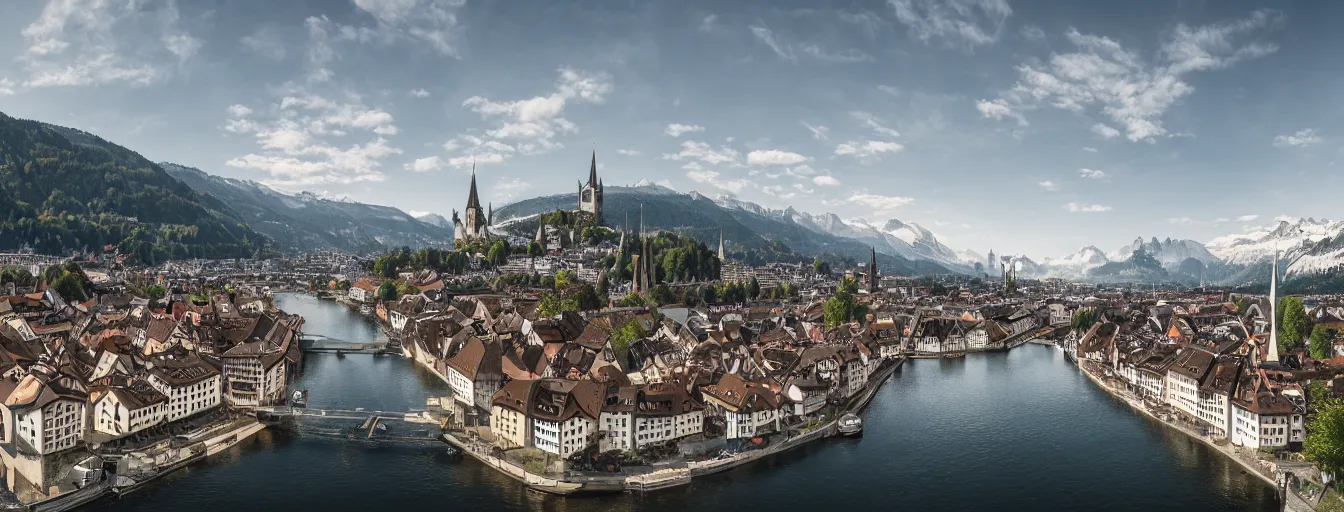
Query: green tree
pixel 603 285
pixel 18 275
pixel 1325 435
pixel 535 250
pixel 711 296
pixel 821 267
pixel 553 304
pixel 621 338
pixel 498 254
pixel 691 297
pixel 387 291
pixel 840 307
pixel 1293 323
pixel 406 289
pixel 1083 319
pixel 1322 342
pixel 753 288
pixel 662 295
pixel 70 288
pixel 155 292
pixel 564 278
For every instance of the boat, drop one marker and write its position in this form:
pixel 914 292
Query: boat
pixel 340 354
pixel 300 398
pixel 850 425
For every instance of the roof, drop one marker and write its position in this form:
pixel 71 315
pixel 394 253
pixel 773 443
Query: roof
pixel 743 395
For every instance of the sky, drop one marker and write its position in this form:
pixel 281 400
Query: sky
pixel 1023 127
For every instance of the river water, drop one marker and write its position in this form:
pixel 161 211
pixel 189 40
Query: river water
pixel 1008 431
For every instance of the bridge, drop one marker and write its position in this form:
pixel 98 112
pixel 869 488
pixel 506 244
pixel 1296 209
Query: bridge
pixel 357 424
pixel 320 343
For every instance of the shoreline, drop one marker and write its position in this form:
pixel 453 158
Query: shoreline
pixel 672 477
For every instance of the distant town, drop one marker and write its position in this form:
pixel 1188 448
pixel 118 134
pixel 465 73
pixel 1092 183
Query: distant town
pixel 587 358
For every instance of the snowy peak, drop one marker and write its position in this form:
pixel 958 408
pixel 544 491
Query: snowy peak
pixel 1170 252
pixel 433 219
pixel 1287 235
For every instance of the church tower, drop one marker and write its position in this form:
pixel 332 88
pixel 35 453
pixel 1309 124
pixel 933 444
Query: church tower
pixel 472 225
pixel 873 278
pixel 590 195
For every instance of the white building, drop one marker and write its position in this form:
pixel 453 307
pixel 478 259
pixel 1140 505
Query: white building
pixel 123 410
pixel 192 386
pixel 749 409
pixel 1264 421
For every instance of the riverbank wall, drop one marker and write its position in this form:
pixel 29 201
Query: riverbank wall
pixel 664 478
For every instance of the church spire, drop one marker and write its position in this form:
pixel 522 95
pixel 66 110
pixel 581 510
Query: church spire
pixel 721 254
pixel 472 200
pixel 592 171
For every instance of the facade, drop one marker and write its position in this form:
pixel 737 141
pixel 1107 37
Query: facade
pixel 121 410
pixel 749 409
pixel 363 291
pixel 191 386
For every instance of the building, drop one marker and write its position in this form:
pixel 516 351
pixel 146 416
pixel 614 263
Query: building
pixel 1261 419
pixel 665 412
pixel 564 415
pixel 749 409
pixel 590 194
pixel 363 291
pixel 122 408
pixel 475 373
pixel 191 386
pixel 508 413
pixel 473 225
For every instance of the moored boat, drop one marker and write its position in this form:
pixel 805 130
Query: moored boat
pixel 850 424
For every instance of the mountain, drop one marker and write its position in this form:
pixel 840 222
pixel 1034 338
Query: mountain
pixel 1170 253
pixel 306 222
pixel 747 229
pixel 434 219
pixel 62 189
pixel 1258 244
pixel 1075 265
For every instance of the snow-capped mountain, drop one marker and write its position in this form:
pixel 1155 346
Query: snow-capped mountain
pixel 1077 264
pixel 1257 245
pixel 1169 252
pixel 906 239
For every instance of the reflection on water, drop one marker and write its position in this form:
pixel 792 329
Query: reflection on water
pixel 1016 431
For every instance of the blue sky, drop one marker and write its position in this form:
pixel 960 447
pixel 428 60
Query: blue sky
pixel 1025 127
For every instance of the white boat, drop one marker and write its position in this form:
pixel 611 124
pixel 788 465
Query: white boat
pixel 850 425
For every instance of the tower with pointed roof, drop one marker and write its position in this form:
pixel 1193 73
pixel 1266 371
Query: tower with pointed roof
pixel 474 221
pixel 872 270
pixel 722 256
pixel 590 194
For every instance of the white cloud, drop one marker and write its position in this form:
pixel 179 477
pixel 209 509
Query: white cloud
pixel 432 22
pixel 298 138
pixel 1181 221
pixel 712 178
pixel 6 87
pixel 1106 132
pixel 703 153
pixel 707 23
pixel 792 51
pixel 74 43
pixel 873 123
pixel 627 152
pixel 825 181
pixel 426 164
pixel 1049 186
pixel 1086 208
pixel 867 149
pixel 677 130
pixel 867 21
pixel 1032 33
pixel 1092 174
pixel 999 109
pixel 957 23
pixel 774 157
pixel 1247 218
pixel 1301 139
pixel 879 205
pixel 1089 149
pixel 819 132
pixel 665 184
pixel 1103 76
pixel 419 93
pixel 265 41
pixel 510 188
pixel 528 126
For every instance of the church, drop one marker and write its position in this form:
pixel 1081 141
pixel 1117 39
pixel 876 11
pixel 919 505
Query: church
pixel 474 224
pixel 590 195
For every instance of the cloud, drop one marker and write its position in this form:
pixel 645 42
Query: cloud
pixel 528 126
pixel 1247 218
pixel 426 164
pixel 867 21
pixel 300 139
pixel 999 109
pixel 677 130
pixel 873 123
pixel 1092 174
pixel 510 188
pixel 1102 76
pixel 712 178
pixel 956 23
pixel 707 23
pixel 791 51
pixel 1086 208
pixel 819 132
pixel 266 42
pixel 1181 221
pixel 665 184
pixel 1089 149
pixel 1032 33
pixel 703 153
pixel 880 205
pixel 825 181
pixel 1104 131
pixel 419 93
pixel 1049 186
pixel 627 152
pixel 774 157
pixel 75 43
pixel 6 87
pixel 432 22
pixel 1301 139
pixel 867 149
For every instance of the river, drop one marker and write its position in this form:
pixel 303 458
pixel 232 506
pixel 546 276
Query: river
pixel 1022 430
